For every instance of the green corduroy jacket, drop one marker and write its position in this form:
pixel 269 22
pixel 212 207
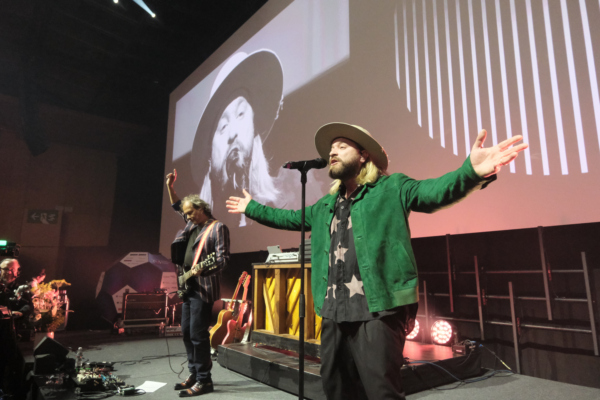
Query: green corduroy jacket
pixel 381 232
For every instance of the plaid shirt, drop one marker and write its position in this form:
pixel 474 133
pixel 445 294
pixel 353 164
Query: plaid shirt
pixel 209 285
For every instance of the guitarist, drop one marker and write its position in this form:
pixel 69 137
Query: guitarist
pixel 204 287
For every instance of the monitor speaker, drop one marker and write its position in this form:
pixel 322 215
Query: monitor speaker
pixel 44 364
pixel 50 346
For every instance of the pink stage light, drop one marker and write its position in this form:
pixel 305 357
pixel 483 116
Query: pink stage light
pixel 415 332
pixel 441 332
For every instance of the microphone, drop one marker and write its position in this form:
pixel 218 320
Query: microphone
pixel 317 163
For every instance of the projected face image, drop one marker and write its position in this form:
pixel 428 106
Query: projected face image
pixel 228 153
pixel 232 144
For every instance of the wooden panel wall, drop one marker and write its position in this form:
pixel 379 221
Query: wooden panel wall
pixel 78 182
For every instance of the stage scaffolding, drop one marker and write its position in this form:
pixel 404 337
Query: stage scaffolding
pixel 514 323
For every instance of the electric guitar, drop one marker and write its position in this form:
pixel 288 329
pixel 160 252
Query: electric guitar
pixel 235 329
pixel 219 331
pixel 183 286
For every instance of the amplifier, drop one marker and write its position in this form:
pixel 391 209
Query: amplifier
pixel 144 306
pixel 464 348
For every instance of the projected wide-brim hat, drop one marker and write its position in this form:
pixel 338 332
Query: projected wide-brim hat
pixel 327 133
pixel 259 78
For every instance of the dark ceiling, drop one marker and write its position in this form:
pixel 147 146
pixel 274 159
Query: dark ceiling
pixel 107 59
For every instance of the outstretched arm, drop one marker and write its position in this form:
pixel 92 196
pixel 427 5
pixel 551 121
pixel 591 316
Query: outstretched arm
pixel 488 161
pixel 268 216
pixel 171 178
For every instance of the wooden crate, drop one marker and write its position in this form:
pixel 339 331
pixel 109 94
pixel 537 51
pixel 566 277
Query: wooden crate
pixel 279 313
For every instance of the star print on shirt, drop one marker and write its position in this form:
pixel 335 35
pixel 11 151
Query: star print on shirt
pixel 329 287
pixel 349 222
pixel 339 253
pixel 334 224
pixel 355 286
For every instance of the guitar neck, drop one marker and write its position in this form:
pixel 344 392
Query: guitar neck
pixel 203 265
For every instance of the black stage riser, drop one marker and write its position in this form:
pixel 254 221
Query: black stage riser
pixel 281 371
pixel 277 370
pixel 285 343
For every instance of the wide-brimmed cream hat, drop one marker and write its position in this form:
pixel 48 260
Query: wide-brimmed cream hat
pixel 327 133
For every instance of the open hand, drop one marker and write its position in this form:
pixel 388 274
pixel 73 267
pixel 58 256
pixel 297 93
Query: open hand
pixel 488 161
pixel 237 205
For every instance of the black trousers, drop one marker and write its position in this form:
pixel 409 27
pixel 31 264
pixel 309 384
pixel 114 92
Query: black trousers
pixel 362 360
pixel 195 320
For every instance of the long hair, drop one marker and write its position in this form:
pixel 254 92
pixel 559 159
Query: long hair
pixel 260 184
pixel 369 173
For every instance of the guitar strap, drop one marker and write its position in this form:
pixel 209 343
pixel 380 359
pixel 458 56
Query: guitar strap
pixel 202 241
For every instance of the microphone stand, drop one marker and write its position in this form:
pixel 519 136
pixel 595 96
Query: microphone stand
pixel 301 311
pixel 303 167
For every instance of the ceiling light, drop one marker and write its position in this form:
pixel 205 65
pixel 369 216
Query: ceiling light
pixel 145 7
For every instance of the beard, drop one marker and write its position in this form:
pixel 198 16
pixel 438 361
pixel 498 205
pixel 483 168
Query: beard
pixel 233 174
pixel 344 170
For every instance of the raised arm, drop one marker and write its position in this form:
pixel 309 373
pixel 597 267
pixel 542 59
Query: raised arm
pixel 171 178
pixel 479 169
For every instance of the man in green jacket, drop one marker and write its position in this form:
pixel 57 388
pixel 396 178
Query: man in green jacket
pixel 364 273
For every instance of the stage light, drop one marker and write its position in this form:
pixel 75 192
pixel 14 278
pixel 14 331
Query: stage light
pixel 442 332
pixel 415 332
pixel 145 7
pixel 116 1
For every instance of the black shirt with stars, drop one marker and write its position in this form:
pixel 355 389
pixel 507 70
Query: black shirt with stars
pixel 345 300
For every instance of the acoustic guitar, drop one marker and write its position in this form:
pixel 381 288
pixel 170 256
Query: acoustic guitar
pixel 219 331
pixel 183 279
pixel 235 329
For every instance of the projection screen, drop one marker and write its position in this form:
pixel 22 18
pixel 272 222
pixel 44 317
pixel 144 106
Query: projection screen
pixel 423 77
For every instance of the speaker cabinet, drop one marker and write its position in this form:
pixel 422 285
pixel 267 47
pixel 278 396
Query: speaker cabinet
pixel 45 364
pixel 50 346
pixel 144 309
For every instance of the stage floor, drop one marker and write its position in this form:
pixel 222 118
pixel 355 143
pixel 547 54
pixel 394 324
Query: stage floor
pixel 144 358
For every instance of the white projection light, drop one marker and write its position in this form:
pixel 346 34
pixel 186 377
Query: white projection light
pixel 441 332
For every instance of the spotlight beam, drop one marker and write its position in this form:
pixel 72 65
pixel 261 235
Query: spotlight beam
pixel 145 7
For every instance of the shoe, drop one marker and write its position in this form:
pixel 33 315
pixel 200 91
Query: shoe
pixel 188 383
pixel 198 389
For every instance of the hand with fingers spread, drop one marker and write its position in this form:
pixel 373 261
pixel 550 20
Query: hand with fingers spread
pixel 237 205
pixel 488 161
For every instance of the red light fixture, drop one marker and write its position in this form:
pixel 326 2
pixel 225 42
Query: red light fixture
pixel 442 332
pixel 415 332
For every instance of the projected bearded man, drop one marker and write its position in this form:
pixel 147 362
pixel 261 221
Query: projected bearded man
pixel 228 151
